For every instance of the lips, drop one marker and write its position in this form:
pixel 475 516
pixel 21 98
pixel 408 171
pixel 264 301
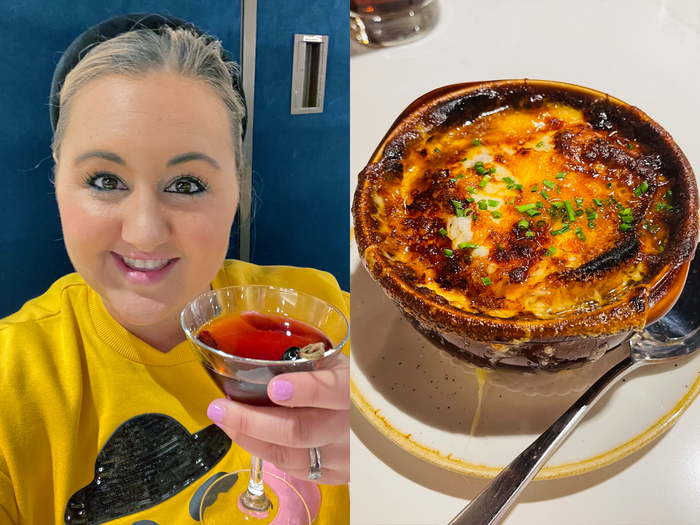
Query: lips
pixel 146 265
pixel 144 271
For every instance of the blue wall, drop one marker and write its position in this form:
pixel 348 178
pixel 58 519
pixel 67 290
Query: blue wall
pixel 308 188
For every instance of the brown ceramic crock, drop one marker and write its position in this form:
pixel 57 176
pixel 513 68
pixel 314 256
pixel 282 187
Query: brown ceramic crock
pixel 551 344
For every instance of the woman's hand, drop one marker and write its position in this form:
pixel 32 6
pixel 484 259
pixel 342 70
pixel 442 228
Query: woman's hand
pixel 320 418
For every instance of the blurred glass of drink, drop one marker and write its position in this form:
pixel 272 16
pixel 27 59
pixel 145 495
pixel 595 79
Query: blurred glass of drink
pixel 391 22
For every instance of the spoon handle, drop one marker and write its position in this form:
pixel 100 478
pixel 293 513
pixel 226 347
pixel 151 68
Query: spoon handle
pixel 492 503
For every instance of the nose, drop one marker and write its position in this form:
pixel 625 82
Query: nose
pixel 145 223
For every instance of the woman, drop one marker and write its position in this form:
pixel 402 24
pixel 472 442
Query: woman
pixel 107 416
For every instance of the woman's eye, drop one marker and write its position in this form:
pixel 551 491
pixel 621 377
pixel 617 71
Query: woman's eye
pixel 186 186
pixel 106 182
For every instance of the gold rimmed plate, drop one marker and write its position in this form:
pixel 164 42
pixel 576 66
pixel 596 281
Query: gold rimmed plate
pixel 426 401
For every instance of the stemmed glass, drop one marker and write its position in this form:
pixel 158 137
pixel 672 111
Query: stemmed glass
pixel 242 494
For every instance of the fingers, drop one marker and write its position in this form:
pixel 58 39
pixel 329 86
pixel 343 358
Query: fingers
pixel 296 461
pixel 300 427
pixel 321 389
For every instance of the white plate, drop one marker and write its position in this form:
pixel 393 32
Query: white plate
pixel 425 401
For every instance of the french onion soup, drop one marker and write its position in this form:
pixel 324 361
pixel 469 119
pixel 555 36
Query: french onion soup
pixel 527 223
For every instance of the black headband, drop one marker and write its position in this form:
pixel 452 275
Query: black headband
pixel 114 27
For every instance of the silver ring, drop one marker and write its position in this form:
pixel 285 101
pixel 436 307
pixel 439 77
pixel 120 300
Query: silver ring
pixel 315 470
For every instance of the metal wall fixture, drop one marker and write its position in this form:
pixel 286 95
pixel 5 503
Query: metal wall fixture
pixel 309 73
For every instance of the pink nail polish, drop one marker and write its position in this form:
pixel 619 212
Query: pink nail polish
pixel 281 390
pixel 216 413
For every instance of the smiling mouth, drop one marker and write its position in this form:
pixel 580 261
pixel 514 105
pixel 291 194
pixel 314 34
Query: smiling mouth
pixel 145 265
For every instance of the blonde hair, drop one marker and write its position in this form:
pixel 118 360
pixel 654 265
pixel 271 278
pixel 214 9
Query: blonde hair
pixel 139 52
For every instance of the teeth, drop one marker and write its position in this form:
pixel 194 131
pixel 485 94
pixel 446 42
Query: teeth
pixel 148 264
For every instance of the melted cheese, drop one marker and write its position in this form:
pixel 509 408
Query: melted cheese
pixel 474 184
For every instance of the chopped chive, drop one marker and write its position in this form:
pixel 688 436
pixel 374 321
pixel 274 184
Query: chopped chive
pixel 534 188
pixel 548 183
pixel 524 207
pixel 448 253
pixel 460 176
pixel 467 246
pixel 541 224
pixel 561 230
pixel 459 212
pixel 533 213
pixel 624 227
pixel 609 185
pixel 464 159
pixel 508 180
pixel 591 225
pixel 482 205
pixel 484 181
pixel 661 247
pixel 496 215
pixel 641 189
pixel 479 164
pixel 578 213
pixel 510 185
pixel 558 204
pixel 457 205
pixel 668 194
pixel 518 187
pixel 626 211
pixel 629 145
pixel 500 248
pixel 492 203
pixel 481 170
pixel 470 199
pixel 591 214
pixel 545 195
pixel 443 232
pixel 468 258
pixel 472 190
pixel 539 204
pixel 486 281
pixel 523 224
pixel 570 210
pixel 552 250
pixel 561 175
pixel 579 201
pixel 628 219
pixel 476 142
pixel 492 170
pixel 597 202
pixel 529 234
pixel 437 150
pixel 559 189
pixel 539 144
pixel 580 234
pixel 453 180
pixel 512 200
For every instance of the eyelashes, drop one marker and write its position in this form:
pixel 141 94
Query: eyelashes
pixel 186 184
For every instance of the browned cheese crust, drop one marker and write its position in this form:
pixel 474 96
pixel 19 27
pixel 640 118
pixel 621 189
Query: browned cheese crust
pixel 533 215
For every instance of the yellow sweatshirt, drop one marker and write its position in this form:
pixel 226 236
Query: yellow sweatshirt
pixel 97 426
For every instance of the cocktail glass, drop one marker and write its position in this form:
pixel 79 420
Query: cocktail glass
pixel 245 380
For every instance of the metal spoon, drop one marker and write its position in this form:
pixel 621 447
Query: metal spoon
pixel 675 335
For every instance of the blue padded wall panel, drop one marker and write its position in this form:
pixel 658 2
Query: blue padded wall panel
pixel 32 37
pixel 302 161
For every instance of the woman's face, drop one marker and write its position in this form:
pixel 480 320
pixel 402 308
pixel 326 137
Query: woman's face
pixel 147 192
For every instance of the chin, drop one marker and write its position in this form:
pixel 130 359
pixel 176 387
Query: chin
pixel 138 310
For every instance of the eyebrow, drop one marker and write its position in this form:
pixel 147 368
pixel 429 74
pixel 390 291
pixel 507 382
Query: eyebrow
pixel 180 159
pixel 100 155
pixel 193 155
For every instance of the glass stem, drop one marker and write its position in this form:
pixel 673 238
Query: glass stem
pixel 256 486
pixel 255 498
